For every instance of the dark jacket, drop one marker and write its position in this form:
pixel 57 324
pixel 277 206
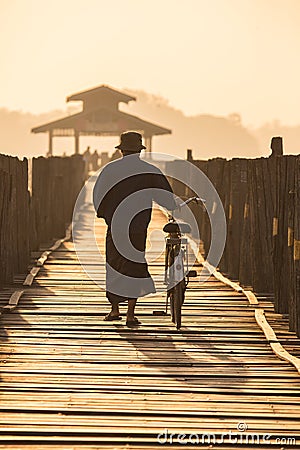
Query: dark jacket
pixel 123 195
pixel 137 184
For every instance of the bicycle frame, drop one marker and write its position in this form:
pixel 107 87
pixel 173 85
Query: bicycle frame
pixel 176 259
pixel 177 263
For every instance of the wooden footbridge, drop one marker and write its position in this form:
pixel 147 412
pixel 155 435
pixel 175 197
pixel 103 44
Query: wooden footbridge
pixel 71 380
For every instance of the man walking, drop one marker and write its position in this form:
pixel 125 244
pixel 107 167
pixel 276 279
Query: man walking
pixel 123 196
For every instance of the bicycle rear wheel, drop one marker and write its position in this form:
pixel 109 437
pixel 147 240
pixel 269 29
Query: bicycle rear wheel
pixel 177 300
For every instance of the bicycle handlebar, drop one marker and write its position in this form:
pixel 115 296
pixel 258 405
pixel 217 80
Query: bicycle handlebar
pixel 191 199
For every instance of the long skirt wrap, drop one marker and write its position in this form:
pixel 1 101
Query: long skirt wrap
pixel 117 266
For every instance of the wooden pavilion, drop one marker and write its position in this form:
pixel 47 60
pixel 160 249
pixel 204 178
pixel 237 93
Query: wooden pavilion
pixel 100 116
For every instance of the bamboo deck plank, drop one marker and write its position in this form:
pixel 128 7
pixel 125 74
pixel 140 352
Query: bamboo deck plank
pixel 71 380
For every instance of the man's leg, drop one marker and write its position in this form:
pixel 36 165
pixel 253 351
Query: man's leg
pixel 130 310
pixel 115 309
pixel 114 301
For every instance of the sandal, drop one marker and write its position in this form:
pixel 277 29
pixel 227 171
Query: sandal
pixel 110 318
pixel 133 323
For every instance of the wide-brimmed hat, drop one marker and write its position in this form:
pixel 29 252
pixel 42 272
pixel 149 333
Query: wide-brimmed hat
pixel 131 141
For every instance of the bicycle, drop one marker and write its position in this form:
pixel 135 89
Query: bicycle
pixel 177 273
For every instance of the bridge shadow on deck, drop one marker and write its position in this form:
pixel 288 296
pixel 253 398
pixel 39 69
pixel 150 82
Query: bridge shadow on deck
pixel 163 353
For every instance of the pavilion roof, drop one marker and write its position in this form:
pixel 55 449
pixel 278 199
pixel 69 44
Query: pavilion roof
pixel 101 90
pixel 101 122
pixel 100 116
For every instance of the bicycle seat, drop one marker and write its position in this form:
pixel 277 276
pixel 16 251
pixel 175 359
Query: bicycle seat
pixel 177 227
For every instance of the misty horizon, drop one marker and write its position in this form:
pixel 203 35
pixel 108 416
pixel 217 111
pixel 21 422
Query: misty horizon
pixel 72 109
pixel 208 135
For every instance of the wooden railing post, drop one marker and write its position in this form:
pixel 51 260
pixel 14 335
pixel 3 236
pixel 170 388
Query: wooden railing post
pixel 29 219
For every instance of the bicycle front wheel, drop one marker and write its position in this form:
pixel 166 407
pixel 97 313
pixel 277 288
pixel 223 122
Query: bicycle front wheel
pixel 177 300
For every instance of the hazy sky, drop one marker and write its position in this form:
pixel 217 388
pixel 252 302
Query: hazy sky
pixel 205 56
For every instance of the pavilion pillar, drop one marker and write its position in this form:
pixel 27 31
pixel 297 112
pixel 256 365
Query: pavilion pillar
pixel 148 145
pixel 50 143
pixel 76 136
